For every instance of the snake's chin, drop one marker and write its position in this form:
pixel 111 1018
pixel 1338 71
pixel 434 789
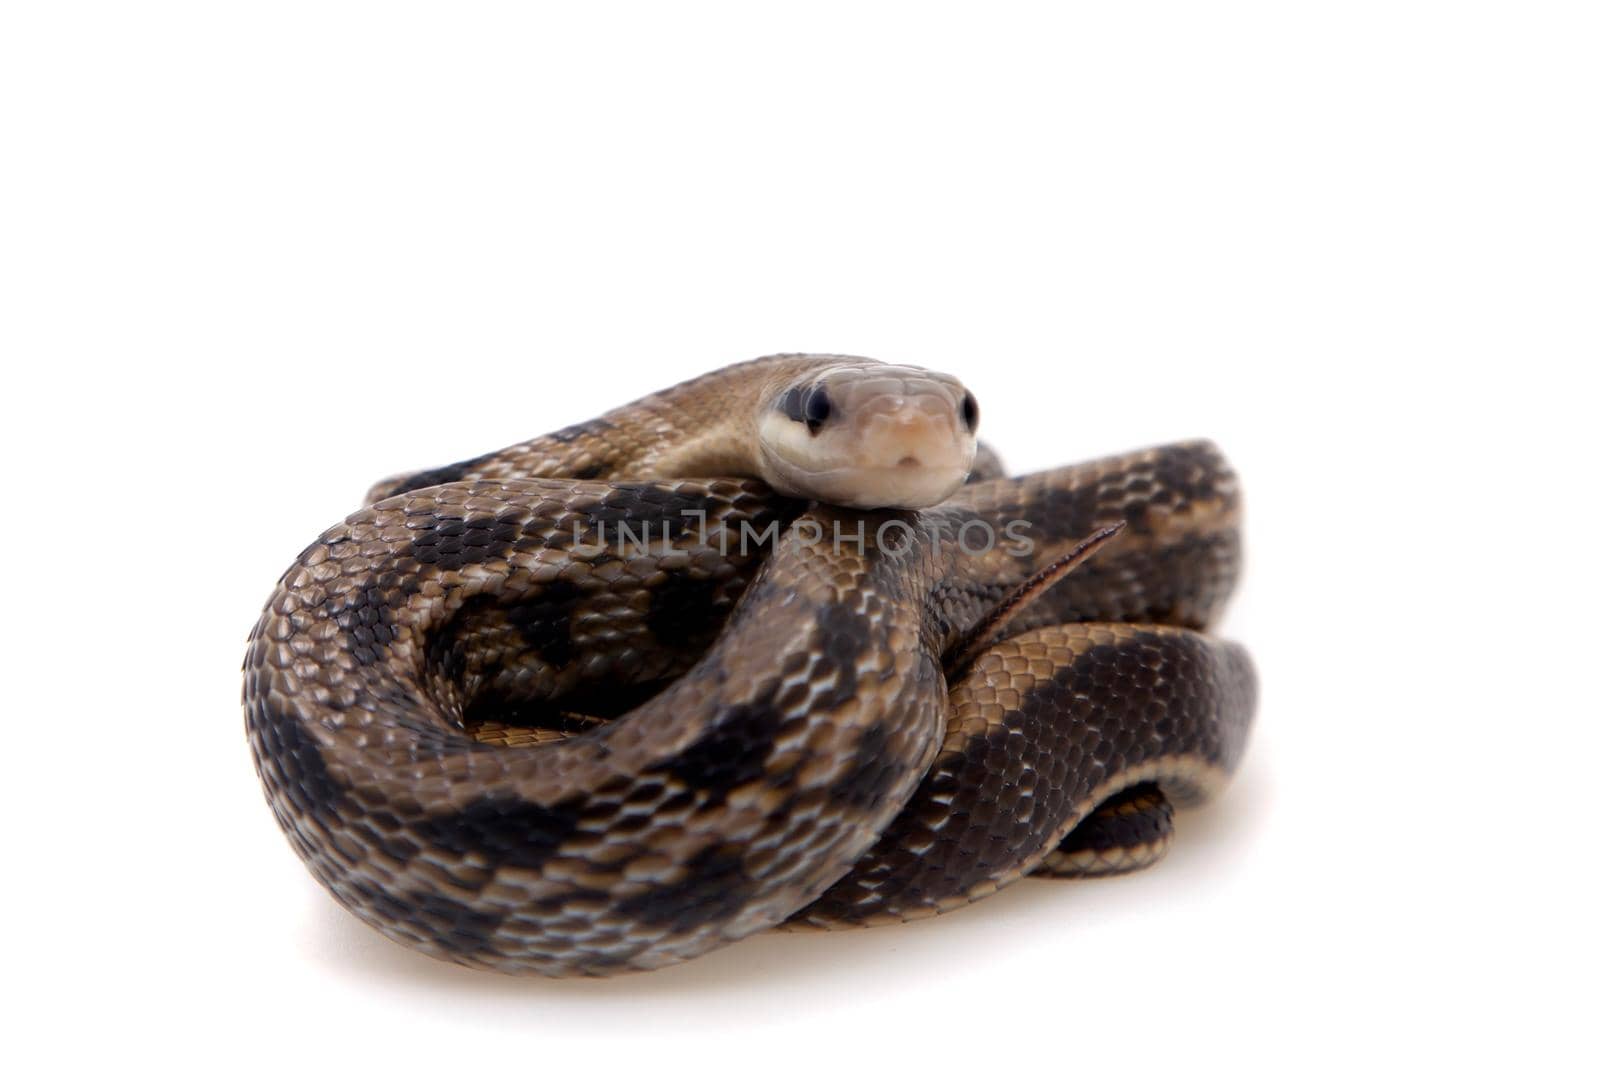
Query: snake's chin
pixel 914 485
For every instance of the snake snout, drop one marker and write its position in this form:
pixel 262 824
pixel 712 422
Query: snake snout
pixel 910 431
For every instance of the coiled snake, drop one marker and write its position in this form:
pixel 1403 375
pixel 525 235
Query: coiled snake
pixel 576 707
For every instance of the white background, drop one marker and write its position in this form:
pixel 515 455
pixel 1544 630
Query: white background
pixel 256 256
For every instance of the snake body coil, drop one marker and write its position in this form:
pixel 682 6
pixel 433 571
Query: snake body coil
pixel 505 728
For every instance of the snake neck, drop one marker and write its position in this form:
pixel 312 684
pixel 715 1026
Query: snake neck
pixel 704 427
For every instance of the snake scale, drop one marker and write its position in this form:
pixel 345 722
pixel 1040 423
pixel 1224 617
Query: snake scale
pixel 605 701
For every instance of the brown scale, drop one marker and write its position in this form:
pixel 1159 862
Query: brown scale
pixel 507 747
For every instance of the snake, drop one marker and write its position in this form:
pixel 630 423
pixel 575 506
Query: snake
pixel 781 646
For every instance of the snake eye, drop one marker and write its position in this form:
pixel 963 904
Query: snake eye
pixel 793 404
pixel 808 405
pixel 818 408
pixel 969 413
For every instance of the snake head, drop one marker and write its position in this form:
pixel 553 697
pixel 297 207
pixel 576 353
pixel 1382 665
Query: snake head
pixel 868 436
